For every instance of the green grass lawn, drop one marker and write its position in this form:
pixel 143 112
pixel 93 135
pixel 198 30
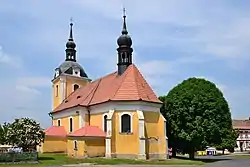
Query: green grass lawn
pixel 60 159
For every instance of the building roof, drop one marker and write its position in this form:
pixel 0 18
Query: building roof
pixel 130 86
pixel 89 131
pixel 67 68
pixel 56 131
pixel 241 124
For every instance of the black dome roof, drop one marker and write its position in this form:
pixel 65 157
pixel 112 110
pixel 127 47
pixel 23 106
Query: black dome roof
pixel 124 40
pixel 67 68
pixel 70 44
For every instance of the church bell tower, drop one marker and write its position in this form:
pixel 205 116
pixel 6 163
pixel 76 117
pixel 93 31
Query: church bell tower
pixel 124 48
pixel 69 76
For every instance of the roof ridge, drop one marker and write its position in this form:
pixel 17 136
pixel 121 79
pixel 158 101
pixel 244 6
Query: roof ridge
pixel 126 72
pixel 95 89
pixel 144 85
pixel 136 81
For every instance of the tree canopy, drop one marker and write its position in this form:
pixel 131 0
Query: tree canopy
pixel 25 133
pixel 197 116
pixel 3 133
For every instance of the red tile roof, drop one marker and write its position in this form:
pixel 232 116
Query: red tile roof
pixel 56 131
pixel 89 131
pixel 241 124
pixel 130 86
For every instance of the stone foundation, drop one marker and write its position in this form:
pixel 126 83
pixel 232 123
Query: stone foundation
pixel 137 156
pixel 157 156
pixel 125 156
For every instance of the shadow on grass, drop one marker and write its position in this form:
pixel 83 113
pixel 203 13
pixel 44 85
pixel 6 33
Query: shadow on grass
pixel 45 158
pixel 206 159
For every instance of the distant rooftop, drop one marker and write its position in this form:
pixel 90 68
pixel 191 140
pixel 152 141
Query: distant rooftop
pixel 241 124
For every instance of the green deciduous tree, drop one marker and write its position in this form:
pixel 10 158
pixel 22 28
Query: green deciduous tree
pixel 228 140
pixel 197 116
pixel 3 132
pixel 25 133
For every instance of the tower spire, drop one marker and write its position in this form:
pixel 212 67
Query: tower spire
pixel 71 31
pixel 124 28
pixel 70 45
pixel 124 50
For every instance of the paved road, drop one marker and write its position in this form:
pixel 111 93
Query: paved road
pixel 231 163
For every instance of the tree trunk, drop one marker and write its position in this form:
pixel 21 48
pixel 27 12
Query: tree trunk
pixel 191 155
pixel 223 151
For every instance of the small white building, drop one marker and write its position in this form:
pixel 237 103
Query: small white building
pixel 211 151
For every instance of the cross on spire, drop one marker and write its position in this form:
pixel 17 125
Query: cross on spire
pixel 71 31
pixel 124 29
pixel 124 12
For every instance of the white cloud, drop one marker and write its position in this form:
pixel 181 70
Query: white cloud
pixel 21 95
pixel 220 31
pixel 239 98
pixel 155 67
pixel 34 81
pixel 24 89
pixel 157 11
pixel 8 60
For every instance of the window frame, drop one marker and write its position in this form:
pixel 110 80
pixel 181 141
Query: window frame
pixel 131 122
pixel 75 145
pixel 105 125
pixel 57 90
pixel 73 87
pixel 59 122
pixel 71 125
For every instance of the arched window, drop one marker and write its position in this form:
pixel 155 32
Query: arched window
pixel 58 122
pixel 75 145
pixel 70 124
pixel 68 56
pixel 123 57
pixel 105 123
pixel 56 91
pixel 125 123
pixel 76 86
pixel 126 57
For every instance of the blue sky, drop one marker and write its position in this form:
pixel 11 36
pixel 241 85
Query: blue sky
pixel 172 40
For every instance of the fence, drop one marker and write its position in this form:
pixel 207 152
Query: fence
pixel 18 157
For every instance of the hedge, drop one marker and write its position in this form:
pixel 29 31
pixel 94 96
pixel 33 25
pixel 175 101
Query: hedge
pixel 18 157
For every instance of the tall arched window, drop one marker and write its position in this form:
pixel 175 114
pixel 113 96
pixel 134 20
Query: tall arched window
pixel 70 124
pixel 56 91
pixel 125 123
pixel 123 57
pixel 105 123
pixel 58 122
pixel 76 86
pixel 75 145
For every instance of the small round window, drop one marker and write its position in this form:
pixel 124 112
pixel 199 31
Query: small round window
pixel 76 87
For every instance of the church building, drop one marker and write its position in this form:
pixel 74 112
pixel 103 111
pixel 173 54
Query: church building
pixel 115 116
